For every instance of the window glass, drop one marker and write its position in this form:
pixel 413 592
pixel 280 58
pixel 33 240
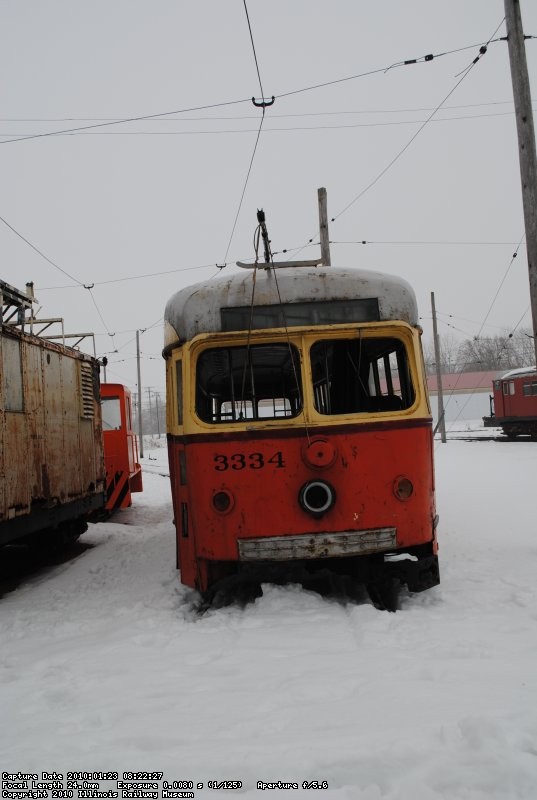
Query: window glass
pixel 290 315
pixel 534 388
pixel 361 375
pixel 12 374
pixel 526 389
pixel 234 384
pixel 111 413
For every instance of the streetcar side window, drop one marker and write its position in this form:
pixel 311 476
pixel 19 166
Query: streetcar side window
pixel 239 383
pixel 361 375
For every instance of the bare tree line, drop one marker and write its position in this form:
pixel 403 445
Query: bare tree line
pixel 501 352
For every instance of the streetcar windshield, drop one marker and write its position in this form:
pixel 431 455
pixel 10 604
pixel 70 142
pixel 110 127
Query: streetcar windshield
pixel 361 375
pixel 262 381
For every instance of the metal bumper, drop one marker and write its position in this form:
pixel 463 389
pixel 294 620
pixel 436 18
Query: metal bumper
pixel 317 545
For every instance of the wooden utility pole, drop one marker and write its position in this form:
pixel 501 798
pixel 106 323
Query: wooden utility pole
pixel 323 227
pixel 441 413
pixel 140 426
pixel 526 144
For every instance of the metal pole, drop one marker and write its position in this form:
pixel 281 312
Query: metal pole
pixel 323 227
pixel 526 144
pixel 140 426
pixel 157 400
pixel 150 411
pixel 441 414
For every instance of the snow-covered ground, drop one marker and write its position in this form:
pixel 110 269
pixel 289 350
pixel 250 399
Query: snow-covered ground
pixel 105 666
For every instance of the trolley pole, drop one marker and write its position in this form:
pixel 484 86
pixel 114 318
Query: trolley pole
pixel 441 413
pixel 526 144
pixel 140 426
pixel 323 227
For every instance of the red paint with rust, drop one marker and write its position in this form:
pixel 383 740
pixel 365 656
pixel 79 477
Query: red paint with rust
pixel 123 472
pixel 264 472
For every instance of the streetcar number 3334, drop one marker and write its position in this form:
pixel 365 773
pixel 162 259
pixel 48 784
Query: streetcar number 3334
pixel 248 461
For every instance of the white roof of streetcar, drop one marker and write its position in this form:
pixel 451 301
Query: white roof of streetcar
pixel 197 308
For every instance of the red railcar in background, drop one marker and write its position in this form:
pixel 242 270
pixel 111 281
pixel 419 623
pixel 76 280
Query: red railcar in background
pixel 123 471
pixel 514 403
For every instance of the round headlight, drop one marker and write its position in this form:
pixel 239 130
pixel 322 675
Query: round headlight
pixel 223 501
pixel 317 497
pixel 403 488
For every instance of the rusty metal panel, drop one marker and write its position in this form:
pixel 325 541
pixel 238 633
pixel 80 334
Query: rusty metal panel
pixel 55 470
pixel 51 449
pixel 35 417
pixel 91 465
pixel 15 489
pixel 16 484
pixel 318 545
pixel 72 455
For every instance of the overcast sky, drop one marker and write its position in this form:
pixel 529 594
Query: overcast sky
pixel 161 195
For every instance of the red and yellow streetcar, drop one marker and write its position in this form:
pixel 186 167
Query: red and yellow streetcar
pixel 299 428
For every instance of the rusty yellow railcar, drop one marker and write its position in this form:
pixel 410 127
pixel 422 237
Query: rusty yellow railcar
pixel 52 476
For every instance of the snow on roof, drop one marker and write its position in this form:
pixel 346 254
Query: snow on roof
pixel 196 309
pixel 518 373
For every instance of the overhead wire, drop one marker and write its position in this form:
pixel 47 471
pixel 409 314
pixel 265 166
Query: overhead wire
pixel 289 129
pixel 208 106
pixel 78 283
pixel 444 242
pixel 482 51
pixel 123 121
pixel 515 254
pixel 206 118
pixel 385 69
pixel 127 278
pixel 40 252
pixel 262 105
pixel 476 337
pixel 466 72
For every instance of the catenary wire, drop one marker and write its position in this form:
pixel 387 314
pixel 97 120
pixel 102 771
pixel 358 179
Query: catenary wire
pixel 254 116
pixel 40 252
pixel 78 283
pixel 208 106
pixel 482 51
pixel 287 129
pixel 467 71
pixel 450 396
pixel 253 48
pixel 421 59
pixel 248 173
